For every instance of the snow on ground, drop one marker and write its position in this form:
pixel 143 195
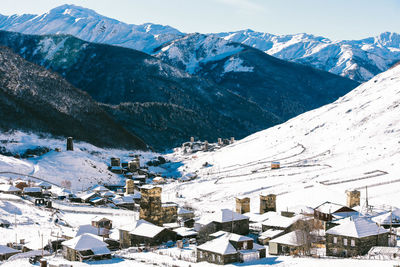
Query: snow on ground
pixel 349 144
pixel 84 167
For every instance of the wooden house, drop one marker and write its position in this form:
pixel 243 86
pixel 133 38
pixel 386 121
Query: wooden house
pixel 32 191
pixel 355 237
pixel 185 233
pixel 21 185
pixel 7 252
pixel 85 247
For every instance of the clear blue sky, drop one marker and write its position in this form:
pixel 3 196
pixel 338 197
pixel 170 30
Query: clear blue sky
pixel 335 19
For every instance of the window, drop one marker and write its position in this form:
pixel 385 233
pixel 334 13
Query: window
pixel 212 257
pixel 244 245
pixel 353 243
pixel 334 240
pixel 345 241
pixel 201 254
pixel 219 258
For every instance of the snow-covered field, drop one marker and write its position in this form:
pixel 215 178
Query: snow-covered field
pixel 349 144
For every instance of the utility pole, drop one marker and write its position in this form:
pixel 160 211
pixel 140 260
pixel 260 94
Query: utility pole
pixel 42 245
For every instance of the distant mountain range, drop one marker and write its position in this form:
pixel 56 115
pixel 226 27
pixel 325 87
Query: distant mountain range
pixel 355 59
pixel 35 99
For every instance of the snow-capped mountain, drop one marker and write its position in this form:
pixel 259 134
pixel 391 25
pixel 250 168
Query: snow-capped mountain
pixel 285 88
pixel 356 59
pixel 86 24
pixel 348 144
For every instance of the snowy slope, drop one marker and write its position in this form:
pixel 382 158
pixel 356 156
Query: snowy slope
pixel 88 25
pixel 84 167
pixel 348 144
pixel 356 59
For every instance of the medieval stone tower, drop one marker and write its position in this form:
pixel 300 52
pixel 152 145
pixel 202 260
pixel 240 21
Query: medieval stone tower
pixel 267 203
pixel 130 186
pixel 150 204
pixel 353 198
pixel 242 205
pixel 70 144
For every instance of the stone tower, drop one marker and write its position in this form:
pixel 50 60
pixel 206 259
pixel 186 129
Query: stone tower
pixel 150 204
pixel 115 162
pixel 242 205
pixel 205 148
pixel 192 139
pixel 353 198
pixel 267 203
pixel 220 141
pixel 70 144
pixel 130 186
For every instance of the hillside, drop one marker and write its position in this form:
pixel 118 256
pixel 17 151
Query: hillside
pixel 283 88
pixel 348 144
pixel 115 75
pixel 356 59
pixel 35 99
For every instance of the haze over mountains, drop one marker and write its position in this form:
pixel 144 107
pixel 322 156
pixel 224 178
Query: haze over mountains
pixel 356 59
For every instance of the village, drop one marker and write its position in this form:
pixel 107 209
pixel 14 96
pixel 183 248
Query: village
pixel 151 226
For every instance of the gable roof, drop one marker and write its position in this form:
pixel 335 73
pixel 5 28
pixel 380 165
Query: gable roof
pixel 147 230
pixel 87 242
pixel 226 215
pixel 132 226
pixel 358 228
pixel 330 208
pixel 294 238
pixel 9 188
pixel 32 189
pixel 231 236
pixel 89 229
pixel 7 250
pixel 219 245
pixel 100 188
pixel 387 217
pixel 276 220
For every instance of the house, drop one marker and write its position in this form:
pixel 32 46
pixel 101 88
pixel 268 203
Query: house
pixel 101 222
pixel 275 221
pixel 33 191
pixel 85 247
pixel 388 219
pixel 100 189
pixel 4 223
pixel 225 220
pixel 266 236
pixel 88 196
pixel 90 229
pixel 288 244
pixel 158 180
pixel 44 185
pixel 9 189
pixel 229 248
pixel 355 237
pixel 20 185
pixel 142 232
pixel 6 252
pixel 185 233
pixel 186 217
pixel 126 202
pixel 327 211
pixel 97 201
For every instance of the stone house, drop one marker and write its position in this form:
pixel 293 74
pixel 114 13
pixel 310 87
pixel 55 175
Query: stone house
pixel 288 244
pixel 229 248
pixel 145 233
pixel 32 191
pixel 225 220
pixel 355 237
pixel 85 247
pixel 101 222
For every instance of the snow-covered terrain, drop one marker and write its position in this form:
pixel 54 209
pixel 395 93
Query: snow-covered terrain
pixel 349 144
pixel 88 25
pixel 356 59
pixel 84 167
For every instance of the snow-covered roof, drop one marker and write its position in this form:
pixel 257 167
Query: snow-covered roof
pixel 231 236
pixel 88 242
pixel 89 229
pixel 100 218
pixel 100 188
pixel 221 216
pixel 329 207
pixel 9 188
pixel 107 194
pixel 32 189
pixel 7 250
pixel 270 233
pixel 147 230
pixel 44 184
pixel 358 228
pixel 220 245
pixel 132 226
pixel 88 195
pixel 275 220
pixel 301 209
pixel 295 238
pixel 184 231
pixel 182 211
pixel 123 199
pixel 148 186
pixel 387 218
